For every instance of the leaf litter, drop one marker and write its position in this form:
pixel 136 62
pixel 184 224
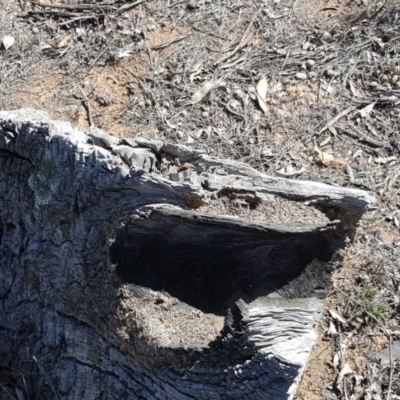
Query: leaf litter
pixel 139 80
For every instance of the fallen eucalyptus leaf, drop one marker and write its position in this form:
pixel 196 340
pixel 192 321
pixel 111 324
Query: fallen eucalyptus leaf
pixel 202 92
pixel 332 130
pixel 330 160
pixel 63 42
pixel 346 370
pixel 336 360
pixel 364 112
pixel 8 41
pixel 335 315
pixel 353 89
pixel 326 141
pixel 332 331
pixel 379 42
pixel 261 90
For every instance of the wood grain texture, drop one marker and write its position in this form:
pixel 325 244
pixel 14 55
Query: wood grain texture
pixel 91 223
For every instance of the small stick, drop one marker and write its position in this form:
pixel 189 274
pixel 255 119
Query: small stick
pixel 98 57
pixel 388 397
pixel 242 44
pixel 333 120
pixel 86 101
pixel 247 36
pixel 284 63
pixel 127 7
pixel 69 7
pixel 166 44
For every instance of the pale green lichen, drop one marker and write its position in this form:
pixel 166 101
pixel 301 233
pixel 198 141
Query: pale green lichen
pixel 45 180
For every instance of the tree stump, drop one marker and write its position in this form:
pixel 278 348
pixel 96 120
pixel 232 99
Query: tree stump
pixel 116 285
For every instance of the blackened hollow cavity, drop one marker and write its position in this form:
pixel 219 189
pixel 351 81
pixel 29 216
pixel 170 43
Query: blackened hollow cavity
pixel 209 264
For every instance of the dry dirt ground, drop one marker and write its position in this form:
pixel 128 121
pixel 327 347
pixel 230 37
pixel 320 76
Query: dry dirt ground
pixel 187 72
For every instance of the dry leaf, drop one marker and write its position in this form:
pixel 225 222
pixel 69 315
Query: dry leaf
pixel 262 90
pixel 336 360
pixel 202 92
pixel 8 41
pixel 325 142
pixel 379 42
pixel 330 160
pixel 364 112
pixel 335 119
pixel 63 42
pixel 332 331
pixel 332 130
pixel 353 89
pixel 337 316
pixel 346 370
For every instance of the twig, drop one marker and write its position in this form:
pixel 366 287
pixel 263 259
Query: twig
pixel 350 173
pixel 292 10
pixel 247 36
pixel 166 44
pixel 97 9
pixel 86 101
pixel 127 7
pixel 284 63
pixel 77 7
pixel 333 120
pixel 208 33
pixel 22 4
pixel 389 336
pixel 98 57
pixel 391 369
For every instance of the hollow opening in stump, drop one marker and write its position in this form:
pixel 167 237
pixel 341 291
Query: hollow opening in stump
pixel 210 264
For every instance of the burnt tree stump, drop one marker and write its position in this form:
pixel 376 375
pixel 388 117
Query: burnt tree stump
pixel 113 286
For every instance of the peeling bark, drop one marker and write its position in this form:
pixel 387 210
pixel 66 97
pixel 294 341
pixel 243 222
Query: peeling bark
pixel 103 256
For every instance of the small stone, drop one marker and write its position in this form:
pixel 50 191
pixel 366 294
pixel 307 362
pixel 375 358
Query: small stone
pixel 205 114
pixel 190 140
pixel 238 94
pixel 312 75
pixel 180 135
pixel 192 5
pixel 151 27
pixel 395 78
pixel 310 64
pixel 327 37
pixel 301 76
pixel 148 102
pixel 330 73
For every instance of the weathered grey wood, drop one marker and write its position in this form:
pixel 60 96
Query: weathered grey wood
pixel 94 227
